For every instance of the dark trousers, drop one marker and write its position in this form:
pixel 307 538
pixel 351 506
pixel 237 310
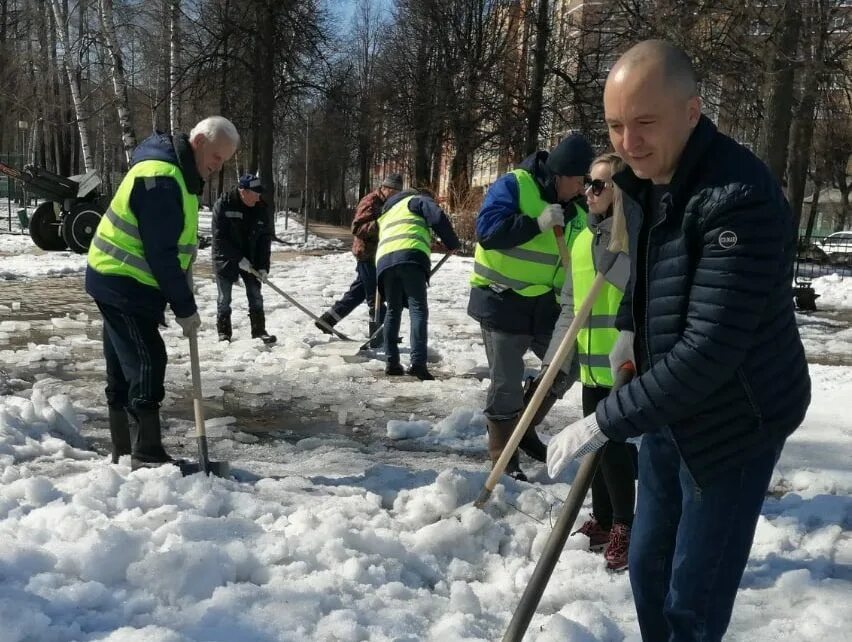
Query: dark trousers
pixel 363 288
pixel 406 283
pixel 225 285
pixel 505 353
pixel 135 358
pixel 690 544
pixel 614 483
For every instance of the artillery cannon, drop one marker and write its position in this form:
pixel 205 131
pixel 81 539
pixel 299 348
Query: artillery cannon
pixel 71 211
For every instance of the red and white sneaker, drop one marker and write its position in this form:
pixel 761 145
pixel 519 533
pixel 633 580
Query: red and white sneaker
pixel 616 551
pixel 598 536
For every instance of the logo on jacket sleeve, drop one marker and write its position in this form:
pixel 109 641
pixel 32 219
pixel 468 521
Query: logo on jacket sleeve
pixel 727 240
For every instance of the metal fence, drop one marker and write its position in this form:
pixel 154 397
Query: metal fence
pixel 818 256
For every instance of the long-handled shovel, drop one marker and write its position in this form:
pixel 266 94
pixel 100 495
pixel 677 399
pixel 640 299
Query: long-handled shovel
pixel 218 468
pixel 561 530
pixel 375 324
pixel 566 347
pixel 301 307
pixel 381 327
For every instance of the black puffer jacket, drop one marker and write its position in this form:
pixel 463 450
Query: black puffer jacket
pixel 722 361
pixel 240 231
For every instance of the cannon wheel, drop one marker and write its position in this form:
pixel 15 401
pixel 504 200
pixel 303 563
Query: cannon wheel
pixel 79 225
pixel 44 227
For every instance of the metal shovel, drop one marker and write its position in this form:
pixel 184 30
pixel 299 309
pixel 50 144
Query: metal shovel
pixel 204 465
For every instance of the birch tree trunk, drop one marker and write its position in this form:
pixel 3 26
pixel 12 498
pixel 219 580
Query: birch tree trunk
pixel 119 82
pixel 61 17
pixel 174 65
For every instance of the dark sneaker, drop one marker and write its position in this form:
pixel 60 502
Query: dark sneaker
pixel 421 372
pixel 394 370
pixel 268 339
pixel 616 551
pixel 598 536
pixel 328 321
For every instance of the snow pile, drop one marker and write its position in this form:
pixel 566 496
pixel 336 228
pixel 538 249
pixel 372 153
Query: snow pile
pixel 294 236
pixel 38 427
pixel 834 291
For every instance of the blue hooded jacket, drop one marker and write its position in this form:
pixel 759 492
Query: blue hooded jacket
pixel 159 212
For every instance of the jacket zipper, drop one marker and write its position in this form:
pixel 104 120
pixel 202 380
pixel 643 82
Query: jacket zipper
pixel 663 213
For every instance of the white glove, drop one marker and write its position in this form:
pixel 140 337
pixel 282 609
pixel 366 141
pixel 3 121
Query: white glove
pixel 580 438
pixel 552 216
pixel 622 352
pixel 245 265
pixel 190 324
pixel 263 274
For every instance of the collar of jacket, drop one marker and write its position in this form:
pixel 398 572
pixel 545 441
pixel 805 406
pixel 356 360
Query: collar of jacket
pixel 535 164
pixel 684 177
pixel 186 160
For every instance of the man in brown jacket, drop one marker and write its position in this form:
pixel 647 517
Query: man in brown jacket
pixel 365 231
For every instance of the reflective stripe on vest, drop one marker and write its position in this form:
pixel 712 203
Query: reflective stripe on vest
pixel 401 229
pixel 532 268
pixel 597 337
pixel 117 247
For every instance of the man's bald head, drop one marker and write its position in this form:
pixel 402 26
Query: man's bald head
pixel 651 106
pixel 662 57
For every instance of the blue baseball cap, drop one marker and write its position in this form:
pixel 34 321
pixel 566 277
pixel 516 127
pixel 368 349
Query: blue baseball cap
pixel 252 182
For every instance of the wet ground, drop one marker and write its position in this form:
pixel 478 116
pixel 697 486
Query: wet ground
pixel 47 315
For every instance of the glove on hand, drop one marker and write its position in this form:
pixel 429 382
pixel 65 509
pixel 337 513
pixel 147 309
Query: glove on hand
pixel 263 275
pixel 190 324
pixel 552 216
pixel 245 265
pixel 580 438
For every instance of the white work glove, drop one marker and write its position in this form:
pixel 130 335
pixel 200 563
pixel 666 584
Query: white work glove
pixel 190 324
pixel 552 216
pixel 580 438
pixel 263 274
pixel 245 265
pixel 621 352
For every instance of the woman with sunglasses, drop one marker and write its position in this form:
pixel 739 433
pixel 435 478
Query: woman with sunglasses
pixel 613 489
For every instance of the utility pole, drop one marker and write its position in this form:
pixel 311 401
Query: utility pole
pixel 307 142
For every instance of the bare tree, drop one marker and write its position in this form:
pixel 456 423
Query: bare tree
pixel 174 65
pixel 71 63
pixel 119 82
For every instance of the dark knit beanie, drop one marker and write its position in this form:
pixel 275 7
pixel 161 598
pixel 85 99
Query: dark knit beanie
pixel 571 157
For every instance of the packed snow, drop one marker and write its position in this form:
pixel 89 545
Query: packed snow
pixel 350 515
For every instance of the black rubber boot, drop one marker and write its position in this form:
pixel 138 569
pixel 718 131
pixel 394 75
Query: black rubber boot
pixel 499 433
pixel 146 440
pixel 258 328
pixel 223 327
pixel 421 372
pixel 119 432
pixel 394 370
pixel 327 319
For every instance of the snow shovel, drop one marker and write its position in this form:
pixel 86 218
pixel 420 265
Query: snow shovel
pixel 561 530
pixel 381 327
pixel 375 324
pixel 566 348
pixel 300 306
pixel 218 468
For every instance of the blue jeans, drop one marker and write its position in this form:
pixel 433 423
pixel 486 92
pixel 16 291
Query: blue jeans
pixel 406 283
pixel 135 358
pixel 363 288
pixel 225 285
pixel 689 545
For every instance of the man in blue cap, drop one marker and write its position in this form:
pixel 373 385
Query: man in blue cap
pixel 241 244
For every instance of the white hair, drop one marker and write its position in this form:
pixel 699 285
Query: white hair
pixel 215 127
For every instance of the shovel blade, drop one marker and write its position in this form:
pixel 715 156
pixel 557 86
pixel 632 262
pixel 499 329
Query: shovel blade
pixel 218 468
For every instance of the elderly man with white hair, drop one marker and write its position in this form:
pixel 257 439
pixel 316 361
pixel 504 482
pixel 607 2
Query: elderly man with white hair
pixel 138 263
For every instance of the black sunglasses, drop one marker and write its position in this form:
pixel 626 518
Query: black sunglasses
pixel 597 186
